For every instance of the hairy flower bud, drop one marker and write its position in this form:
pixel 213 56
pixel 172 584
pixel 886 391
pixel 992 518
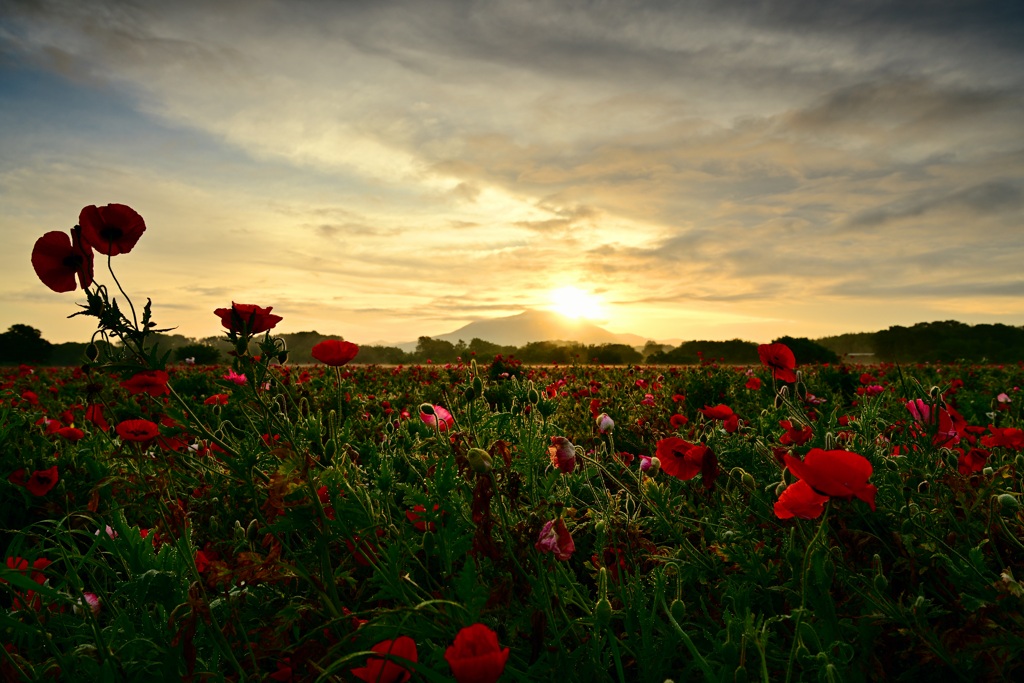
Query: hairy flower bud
pixel 479 460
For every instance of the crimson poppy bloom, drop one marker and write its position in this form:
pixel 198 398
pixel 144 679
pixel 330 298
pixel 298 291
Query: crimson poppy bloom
pixel 41 481
pixel 1007 437
pixel 152 382
pixel 800 500
pixel 216 400
pixel 754 383
pixel 840 474
pixel 247 318
pixel 554 538
pixel 679 458
pixel 563 454
pixel 112 229
pixel 795 436
pixel 476 656
pixel 780 359
pixel 94 414
pixel 677 420
pixel 972 461
pixel 335 352
pixel 138 430
pixel 70 433
pixel 57 259
pixel 380 670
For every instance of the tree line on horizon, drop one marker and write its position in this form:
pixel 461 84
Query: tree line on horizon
pixel 942 341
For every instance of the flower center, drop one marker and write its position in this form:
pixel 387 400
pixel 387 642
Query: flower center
pixel 73 261
pixel 111 233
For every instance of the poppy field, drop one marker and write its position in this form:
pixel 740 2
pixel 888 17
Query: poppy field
pixel 486 520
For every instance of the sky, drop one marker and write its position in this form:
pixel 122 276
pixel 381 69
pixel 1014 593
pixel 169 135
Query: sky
pixel 384 170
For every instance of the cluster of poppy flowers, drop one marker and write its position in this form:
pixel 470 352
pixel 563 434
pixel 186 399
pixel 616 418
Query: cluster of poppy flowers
pixel 59 258
pixel 474 657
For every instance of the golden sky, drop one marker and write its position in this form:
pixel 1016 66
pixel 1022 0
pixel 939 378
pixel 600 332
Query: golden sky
pixel 385 170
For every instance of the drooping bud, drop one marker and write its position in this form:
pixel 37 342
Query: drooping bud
pixel 563 454
pixel 605 424
pixel 92 352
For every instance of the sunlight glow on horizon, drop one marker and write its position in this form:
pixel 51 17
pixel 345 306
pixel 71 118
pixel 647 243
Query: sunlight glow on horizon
pixel 575 303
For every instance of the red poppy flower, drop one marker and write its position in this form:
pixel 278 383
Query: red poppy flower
pixel 1007 437
pixel 972 461
pixel 800 500
pixel 335 352
pixel 152 382
pixel 216 400
pixel 677 420
pixel 380 670
pixel 683 460
pixel 555 538
pixel 754 383
pixel 41 481
pixel 94 414
pixel 137 430
pixel 112 229
pixel 476 656
pixel 70 433
pixel 840 474
pixel 57 259
pixel 795 436
pixel 247 318
pixel 780 359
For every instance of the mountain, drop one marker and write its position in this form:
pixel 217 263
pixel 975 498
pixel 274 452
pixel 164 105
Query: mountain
pixel 533 326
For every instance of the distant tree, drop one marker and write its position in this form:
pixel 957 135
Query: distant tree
pixel 383 355
pixel 24 344
pixel 616 354
pixel 652 347
pixel 808 352
pixel 201 354
pixel 485 349
pixel 436 350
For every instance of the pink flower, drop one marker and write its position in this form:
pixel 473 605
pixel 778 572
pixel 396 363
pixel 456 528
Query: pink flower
pixel 604 423
pixel 437 416
pixel 554 538
pixel 563 454
pixel 235 377
pixel 919 410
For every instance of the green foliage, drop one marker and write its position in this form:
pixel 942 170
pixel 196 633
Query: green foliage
pixel 200 354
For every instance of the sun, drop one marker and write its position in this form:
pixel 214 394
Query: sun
pixel 573 302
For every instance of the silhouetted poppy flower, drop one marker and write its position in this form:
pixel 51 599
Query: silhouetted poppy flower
pixel 335 352
pixel 247 318
pixel 780 359
pixel 41 481
pixel 800 500
pixel 58 259
pixel 555 538
pixel 380 670
pixel 563 454
pixel 476 656
pixel 112 229
pixel 840 474
pixel 137 430
pixel 152 382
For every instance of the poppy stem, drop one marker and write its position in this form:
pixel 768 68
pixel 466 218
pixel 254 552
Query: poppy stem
pixel 135 318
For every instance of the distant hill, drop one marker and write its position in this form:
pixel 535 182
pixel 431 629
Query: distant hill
pixel 538 326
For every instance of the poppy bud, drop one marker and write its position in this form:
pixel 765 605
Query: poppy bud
pixel 237 531
pixel 426 409
pixel 252 531
pixel 478 384
pixel 655 466
pixel 479 460
pixel 1008 501
pixel 469 394
pixel 282 357
pixel 532 396
pixel 678 609
pixel 603 612
pixel 92 352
